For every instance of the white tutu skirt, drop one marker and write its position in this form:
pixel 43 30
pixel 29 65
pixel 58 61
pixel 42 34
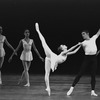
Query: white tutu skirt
pixel 26 56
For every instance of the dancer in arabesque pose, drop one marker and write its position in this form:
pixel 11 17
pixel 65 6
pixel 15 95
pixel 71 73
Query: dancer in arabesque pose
pixel 52 60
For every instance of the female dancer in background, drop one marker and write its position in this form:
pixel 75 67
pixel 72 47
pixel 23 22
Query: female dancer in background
pixel 3 40
pixel 52 60
pixel 26 55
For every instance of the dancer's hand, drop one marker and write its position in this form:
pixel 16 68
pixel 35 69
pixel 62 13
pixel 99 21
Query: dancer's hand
pixel 98 52
pixel 15 53
pixel 42 59
pixel 10 59
pixel 37 26
pixel 56 65
pixel 79 43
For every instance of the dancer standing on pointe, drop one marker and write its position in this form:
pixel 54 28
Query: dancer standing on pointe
pixel 90 48
pixel 26 55
pixel 52 60
pixel 3 40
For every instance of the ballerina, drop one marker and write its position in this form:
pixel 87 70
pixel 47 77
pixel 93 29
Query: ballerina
pixel 52 60
pixel 3 40
pixel 26 55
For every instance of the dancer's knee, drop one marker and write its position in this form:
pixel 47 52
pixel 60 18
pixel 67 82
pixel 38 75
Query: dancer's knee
pixel 26 70
pixel 46 76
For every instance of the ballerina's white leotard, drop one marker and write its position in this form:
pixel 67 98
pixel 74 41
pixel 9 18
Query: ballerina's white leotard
pixel 26 53
pixel 56 59
pixel 2 51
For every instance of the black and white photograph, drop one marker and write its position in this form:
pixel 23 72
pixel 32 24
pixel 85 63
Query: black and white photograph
pixel 49 49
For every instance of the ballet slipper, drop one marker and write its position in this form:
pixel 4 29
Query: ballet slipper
pixel 93 94
pixel 48 90
pixel 28 85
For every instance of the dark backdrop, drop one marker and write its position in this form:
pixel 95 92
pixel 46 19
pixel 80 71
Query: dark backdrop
pixel 61 22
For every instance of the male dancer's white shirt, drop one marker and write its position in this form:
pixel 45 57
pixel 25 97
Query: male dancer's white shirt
pixel 89 46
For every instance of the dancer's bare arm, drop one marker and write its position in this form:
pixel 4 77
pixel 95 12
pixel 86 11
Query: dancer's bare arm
pixel 19 45
pixel 98 33
pixel 35 49
pixel 73 52
pixel 8 44
pixel 15 51
pixel 73 47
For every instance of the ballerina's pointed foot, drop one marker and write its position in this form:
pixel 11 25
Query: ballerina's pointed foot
pixel 48 90
pixel 28 85
pixel 93 94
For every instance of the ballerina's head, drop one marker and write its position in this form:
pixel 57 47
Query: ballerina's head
pixel 62 47
pixel 27 33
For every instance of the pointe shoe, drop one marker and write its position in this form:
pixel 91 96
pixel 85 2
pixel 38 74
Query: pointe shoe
pixel 48 90
pixel 70 91
pixel 28 85
pixel 93 94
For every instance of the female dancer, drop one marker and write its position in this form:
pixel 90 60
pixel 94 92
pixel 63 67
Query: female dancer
pixel 26 55
pixel 52 60
pixel 3 40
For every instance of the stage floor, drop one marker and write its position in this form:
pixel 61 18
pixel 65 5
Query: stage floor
pixel 10 90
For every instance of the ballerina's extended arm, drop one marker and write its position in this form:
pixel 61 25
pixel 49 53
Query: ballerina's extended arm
pixel 73 52
pixel 73 47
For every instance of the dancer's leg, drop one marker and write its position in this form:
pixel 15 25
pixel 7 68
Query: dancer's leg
pixel 47 73
pixel 44 44
pixel 22 77
pixel 48 51
pixel 1 63
pixel 82 70
pixel 23 73
pixel 28 64
pixel 93 72
pixel 26 73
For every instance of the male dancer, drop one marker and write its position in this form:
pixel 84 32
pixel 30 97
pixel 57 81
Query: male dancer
pixel 90 49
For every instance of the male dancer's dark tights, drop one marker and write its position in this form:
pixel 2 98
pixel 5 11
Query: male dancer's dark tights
pixel 88 59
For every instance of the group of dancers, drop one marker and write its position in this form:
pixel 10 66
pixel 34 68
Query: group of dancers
pixel 51 59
